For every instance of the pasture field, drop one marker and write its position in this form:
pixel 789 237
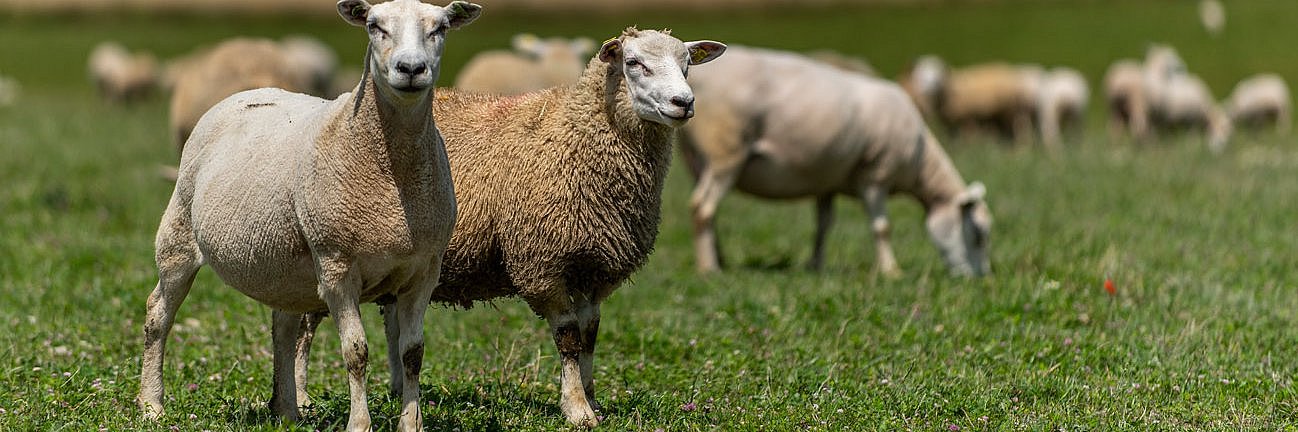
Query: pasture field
pixel 1198 335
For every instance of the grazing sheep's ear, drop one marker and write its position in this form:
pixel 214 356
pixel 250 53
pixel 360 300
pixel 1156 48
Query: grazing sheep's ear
pixel 972 195
pixel 355 12
pixel 527 43
pixel 704 51
pixel 610 51
pixel 461 13
pixel 581 46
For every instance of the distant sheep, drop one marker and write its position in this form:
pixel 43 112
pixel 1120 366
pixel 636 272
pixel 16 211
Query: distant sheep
pixel 9 91
pixel 1178 99
pixel 230 67
pixel 997 96
pixel 1259 100
pixel 533 65
pixel 122 76
pixel 1212 15
pixel 559 191
pixel 309 205
pixel 1124 93
pixel 1063 98
pixel 313 60
pixel 780 126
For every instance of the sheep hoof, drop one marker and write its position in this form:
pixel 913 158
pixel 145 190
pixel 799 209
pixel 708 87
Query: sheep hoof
pixel 152 410
pixel 581 416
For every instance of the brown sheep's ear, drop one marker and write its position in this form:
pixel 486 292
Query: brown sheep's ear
pixel 704 51
pixel 355 12
pixel 610 51
pixel 461 13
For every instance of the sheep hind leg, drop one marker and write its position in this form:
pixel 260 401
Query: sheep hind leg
pixel 824 219
pixel 716 180
pixel 286 330
pixel 178 262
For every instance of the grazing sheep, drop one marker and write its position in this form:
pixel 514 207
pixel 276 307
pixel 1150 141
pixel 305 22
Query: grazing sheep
pixel 1177 99
pixel 999 96
pixel 535 64
pixel 1124 92
pixel 1062 104
pixel 1258 100
pixel 559 192
pixel 120 75
pixel 230 67
pixel 308 205
pixel 780 126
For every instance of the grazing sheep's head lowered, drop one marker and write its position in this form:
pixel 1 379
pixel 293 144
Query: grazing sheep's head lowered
pixel 961 229
pixel 406 40
pixel 654 66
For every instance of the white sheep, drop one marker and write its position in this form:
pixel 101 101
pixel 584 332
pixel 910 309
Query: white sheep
pixel 1260 99
pixel 1178 99
pixel 1212 15
pixel 534 64
pixel 844 62
pixel 122 76
pixel 559 192
pixel 232 66
pixel 780 126
pixel 1063 97
pixel 308 205
pixel 1124 93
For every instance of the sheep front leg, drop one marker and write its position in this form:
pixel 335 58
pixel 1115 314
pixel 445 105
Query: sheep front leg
pixel 178 264
pixel 876 200
pixel 392 331
pixel 408 314
pixel 286 328
pixel 570 338
pixel 340 289
pixel 824 219
pixel 714 182
pixel 588 321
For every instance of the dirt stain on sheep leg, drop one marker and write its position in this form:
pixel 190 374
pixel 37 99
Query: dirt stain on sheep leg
pixel 413 360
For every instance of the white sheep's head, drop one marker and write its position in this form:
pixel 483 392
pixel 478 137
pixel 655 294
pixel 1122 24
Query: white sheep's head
pixel 654 65
pixel 961 229
pixel 553 49
pixel 406 40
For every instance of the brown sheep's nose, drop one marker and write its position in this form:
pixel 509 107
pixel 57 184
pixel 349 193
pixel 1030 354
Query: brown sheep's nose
pixel 414 68
pixel 683 101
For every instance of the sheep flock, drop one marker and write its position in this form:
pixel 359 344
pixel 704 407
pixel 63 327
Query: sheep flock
pixel 539 174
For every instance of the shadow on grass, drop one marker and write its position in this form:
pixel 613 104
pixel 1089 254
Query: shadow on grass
pixel 464 408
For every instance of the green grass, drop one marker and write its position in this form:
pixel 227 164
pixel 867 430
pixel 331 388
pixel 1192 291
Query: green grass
pixel 1198 337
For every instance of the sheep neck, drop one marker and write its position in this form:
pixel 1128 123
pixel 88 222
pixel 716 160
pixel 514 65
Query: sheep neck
pixel 386 132
pixel 939 182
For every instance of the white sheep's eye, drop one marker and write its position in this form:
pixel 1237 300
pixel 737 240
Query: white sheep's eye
pixel 436 32
pixel 632 62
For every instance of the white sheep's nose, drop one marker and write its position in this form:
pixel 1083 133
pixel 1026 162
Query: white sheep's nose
pixel 412 67
pixel 685 102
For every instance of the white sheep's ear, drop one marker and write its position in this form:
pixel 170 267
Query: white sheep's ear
pixel 582 46
pixel 610 51
pixel 972 194
pixel 461 13
pixel 704 51
pixel 355 12
pixel 527 43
